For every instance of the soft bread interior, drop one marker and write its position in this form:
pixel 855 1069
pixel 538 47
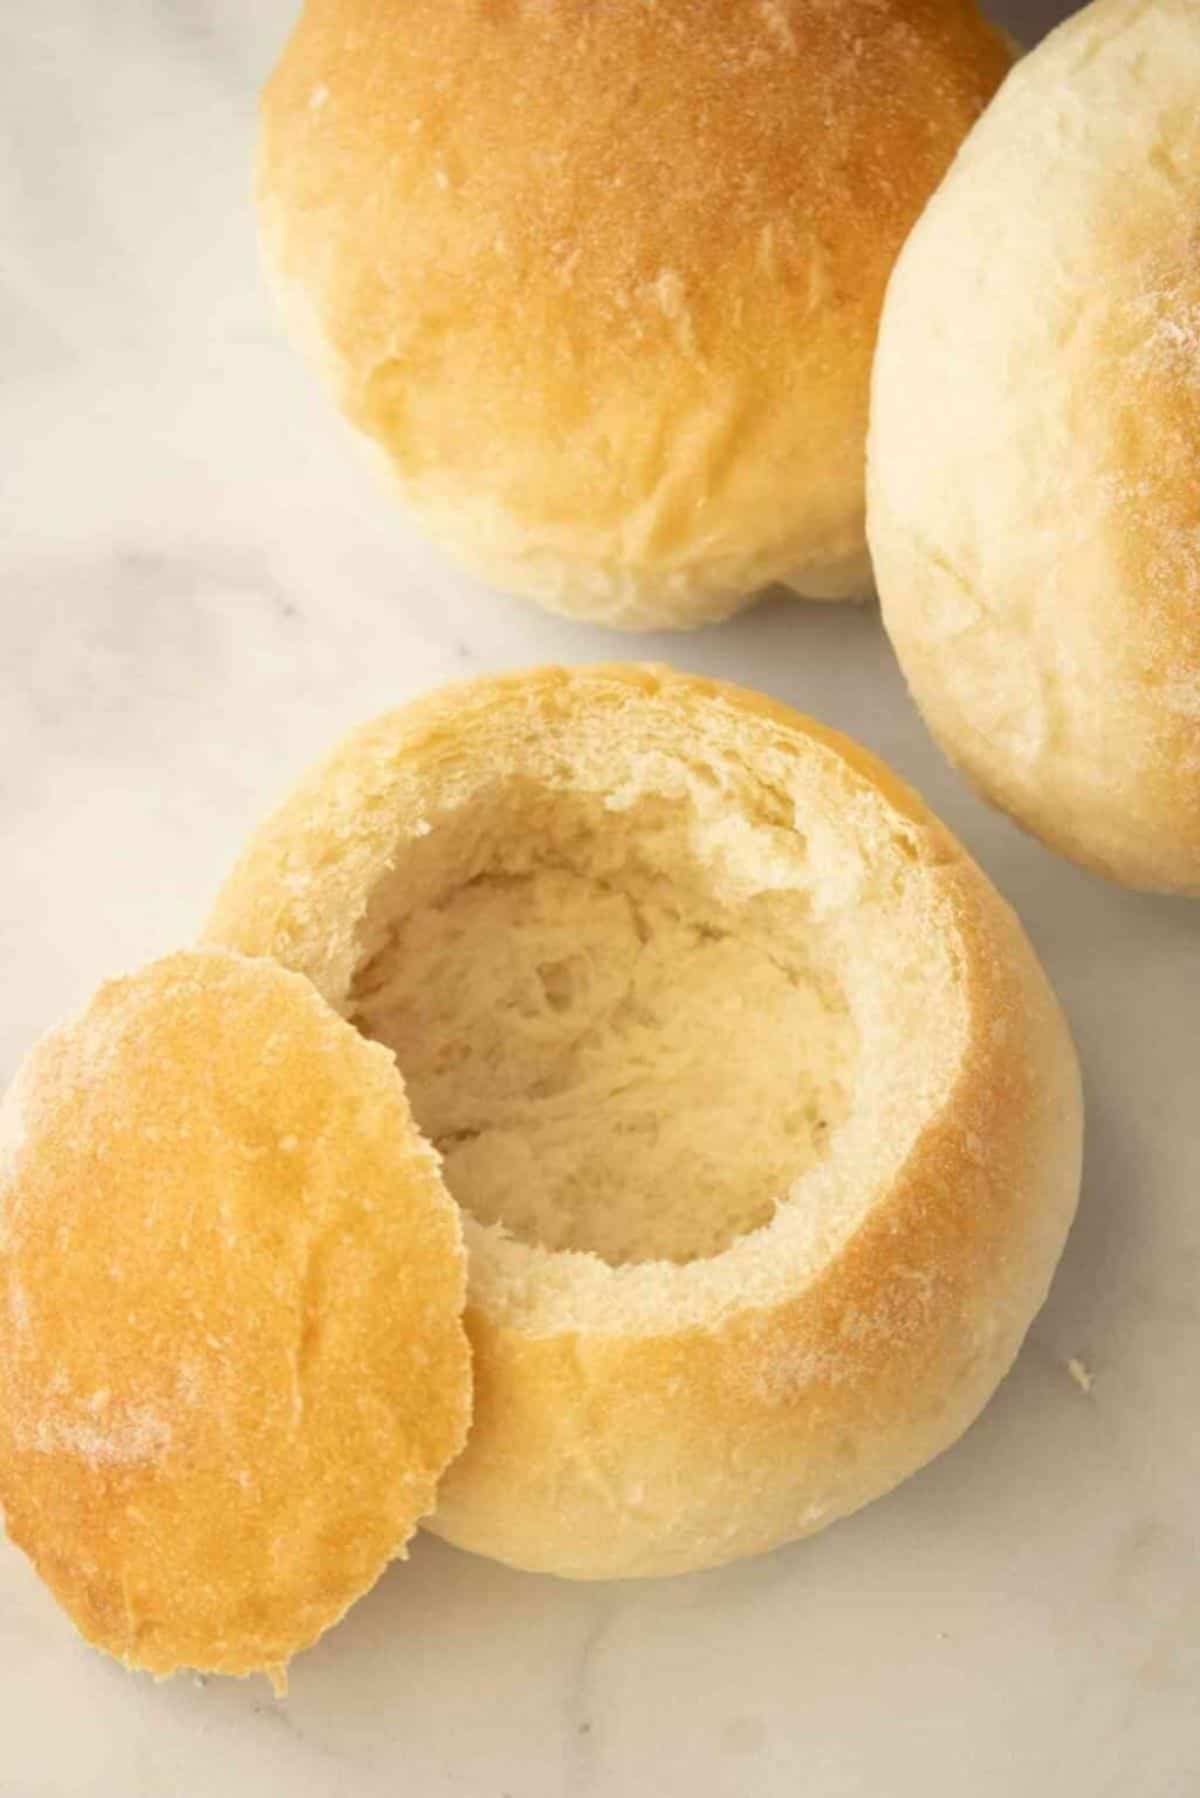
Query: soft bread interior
pixel 609 1055
pixel 674 999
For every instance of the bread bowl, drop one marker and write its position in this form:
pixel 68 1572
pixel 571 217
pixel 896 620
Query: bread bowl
pixel 232 1362
pixel 764 1120
pixel 1034 501
pixel 600 285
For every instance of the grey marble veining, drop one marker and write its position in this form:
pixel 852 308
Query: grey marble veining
pixel 199 589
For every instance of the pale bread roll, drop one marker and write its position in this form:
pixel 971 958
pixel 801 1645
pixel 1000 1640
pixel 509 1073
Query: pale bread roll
pixel 764 1119
pixel 1035 447
pixel 602 282
pixel 232 1362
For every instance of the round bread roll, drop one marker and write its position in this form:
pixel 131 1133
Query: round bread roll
pixel 602 282
pixel 763 1118
pixel 232 1361
pixel 1035 447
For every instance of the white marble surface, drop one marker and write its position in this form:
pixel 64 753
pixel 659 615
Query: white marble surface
pixel 198 590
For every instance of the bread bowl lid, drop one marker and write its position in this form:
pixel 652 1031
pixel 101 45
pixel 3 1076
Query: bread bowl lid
pixel 232 1360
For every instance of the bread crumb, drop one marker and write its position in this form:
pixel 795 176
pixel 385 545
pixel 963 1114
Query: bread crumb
pixel 1080 1374
pixel 137 1436
pixel 778 25
pixel 671 299
pixel 18 1307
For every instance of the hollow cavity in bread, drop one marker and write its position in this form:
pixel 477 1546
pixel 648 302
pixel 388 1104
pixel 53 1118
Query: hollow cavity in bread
pixel 651 967
pixel 592 1035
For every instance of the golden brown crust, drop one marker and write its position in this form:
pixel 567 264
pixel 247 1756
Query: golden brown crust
pixel 232 1364
pixel 619 1452
pixel 604 282
pixel 1042 337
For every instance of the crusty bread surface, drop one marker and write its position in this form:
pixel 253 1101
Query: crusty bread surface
pixel 232 1360
pixel 601 283
pixel 1035 441
pixel 763 1117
